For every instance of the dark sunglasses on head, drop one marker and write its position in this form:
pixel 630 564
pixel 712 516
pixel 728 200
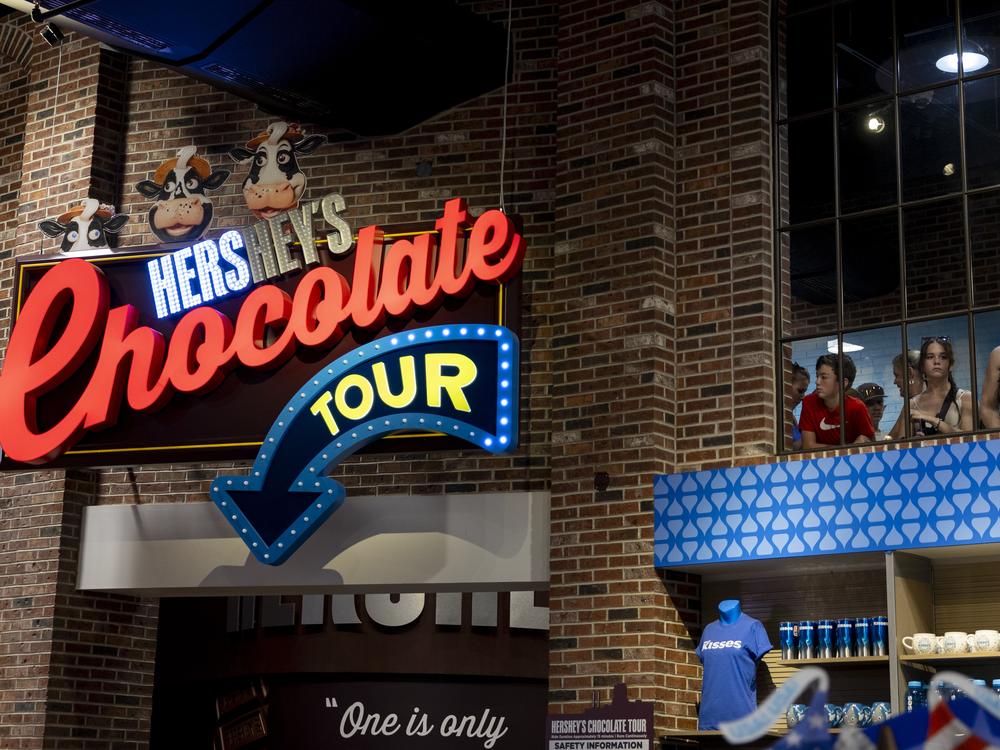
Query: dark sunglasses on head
pixel 932 339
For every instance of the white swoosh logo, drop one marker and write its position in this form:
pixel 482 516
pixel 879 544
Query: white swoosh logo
pixel 824 426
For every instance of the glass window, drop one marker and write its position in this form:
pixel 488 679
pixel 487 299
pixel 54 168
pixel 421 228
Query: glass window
pixel 810 181
pixel 867 140
pixel 930 153
pixel 870 268
pixel 863 40
pixel 984 236
pixel 934 247
pixel 925 38
pixel 887 189
pixel 946 403
pixel 982 131
pixel 872 351
pixel 812 280
pixel 808 59
pixel 980 35
pixel 988 368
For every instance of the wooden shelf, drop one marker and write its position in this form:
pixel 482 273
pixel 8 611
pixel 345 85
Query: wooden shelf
pixel 851 661
pixel 945 658
pixel 700 734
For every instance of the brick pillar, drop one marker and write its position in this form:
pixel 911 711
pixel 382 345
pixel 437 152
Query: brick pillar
pixel 613 617
pixel 75 668
pixel 725 302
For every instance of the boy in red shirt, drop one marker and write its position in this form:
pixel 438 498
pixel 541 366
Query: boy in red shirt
pixel 820 417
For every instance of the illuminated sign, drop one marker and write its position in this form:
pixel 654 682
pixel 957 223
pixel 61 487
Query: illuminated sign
pixel 217 270
pixel 74 360
pixel 460 380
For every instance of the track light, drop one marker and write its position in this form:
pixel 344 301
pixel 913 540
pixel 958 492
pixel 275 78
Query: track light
pixel 52 35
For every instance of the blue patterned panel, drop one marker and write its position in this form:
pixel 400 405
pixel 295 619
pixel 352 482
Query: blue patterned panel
pixel 934 496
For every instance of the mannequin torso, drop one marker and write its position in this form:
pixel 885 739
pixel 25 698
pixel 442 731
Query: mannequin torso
pixel 729 611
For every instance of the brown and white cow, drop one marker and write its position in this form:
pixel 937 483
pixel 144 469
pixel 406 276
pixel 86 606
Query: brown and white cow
pixel 85 227
pixel 182 211
pixel 275 182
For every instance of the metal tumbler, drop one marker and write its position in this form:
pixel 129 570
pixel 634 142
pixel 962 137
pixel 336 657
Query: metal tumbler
pixel 786 636
pixel 826 638
pixel 880 636
pixel 862 637
pixel 845 638
pixel 807 640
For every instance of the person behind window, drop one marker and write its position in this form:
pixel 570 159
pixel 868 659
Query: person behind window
pixel 914 385
pixel 820 418
pixel 873 397
pixel 943 407
pixel 989 409
pixel 800 384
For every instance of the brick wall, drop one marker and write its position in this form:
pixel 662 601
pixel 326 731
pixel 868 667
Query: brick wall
pixel 639 145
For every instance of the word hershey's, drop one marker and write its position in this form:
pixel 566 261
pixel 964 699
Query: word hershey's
pixel 210 270
pixel 137 366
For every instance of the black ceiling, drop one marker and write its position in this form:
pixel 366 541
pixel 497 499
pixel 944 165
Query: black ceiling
pixel 372 68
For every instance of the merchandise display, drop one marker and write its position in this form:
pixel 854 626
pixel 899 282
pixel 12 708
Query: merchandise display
pixel 729 649
pixel 952 642
pixel 850 714
pixel 828 639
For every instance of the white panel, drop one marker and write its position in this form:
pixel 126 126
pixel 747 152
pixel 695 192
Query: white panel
pixel 402 543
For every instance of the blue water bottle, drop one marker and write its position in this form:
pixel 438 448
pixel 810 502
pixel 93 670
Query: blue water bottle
pixel 915 696
pixel 845 638
pixel 862 637
pixel 807 640
pixel 880 636
pixel 825 639
pixel 786 636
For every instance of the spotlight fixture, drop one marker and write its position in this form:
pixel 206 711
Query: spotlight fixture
pixel 973 58
pixel 874 123
pixel 52 35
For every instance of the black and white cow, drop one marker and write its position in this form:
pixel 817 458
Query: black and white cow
pixel 182 211
pixel 275 182
pixel 85 228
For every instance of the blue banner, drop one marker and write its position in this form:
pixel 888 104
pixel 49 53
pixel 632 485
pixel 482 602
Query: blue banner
pixel 931 496
pixel 459 380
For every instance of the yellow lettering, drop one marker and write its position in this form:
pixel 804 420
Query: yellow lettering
pixel 358 412
pixel 321 406
pixel 408 372
pixel 437 381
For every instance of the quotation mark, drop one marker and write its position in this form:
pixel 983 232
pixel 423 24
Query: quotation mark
pixel 331 702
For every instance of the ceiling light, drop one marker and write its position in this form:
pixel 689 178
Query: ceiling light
pixel 971 62
pixel 831 346
pixel 875 124
pixel 948 170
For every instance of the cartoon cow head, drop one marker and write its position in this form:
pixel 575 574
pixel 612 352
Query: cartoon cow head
pixel 85 228
pixel 182 211
pixel 275 182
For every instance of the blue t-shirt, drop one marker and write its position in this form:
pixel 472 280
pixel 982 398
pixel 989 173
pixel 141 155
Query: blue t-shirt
pixel 729 684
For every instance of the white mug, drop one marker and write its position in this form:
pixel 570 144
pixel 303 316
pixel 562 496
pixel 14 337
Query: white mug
pixel 939 644
pixel 920 643
pixel 984 640
pixel 956 642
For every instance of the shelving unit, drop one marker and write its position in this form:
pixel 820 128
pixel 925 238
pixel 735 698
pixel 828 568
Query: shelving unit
pixel 929 590
pixel 850 662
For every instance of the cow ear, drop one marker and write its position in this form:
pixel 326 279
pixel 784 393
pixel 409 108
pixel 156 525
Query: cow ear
pixel 214 181
pixel 309 144
pixel 148 188
pixel 52 228
pixel 115 223
pixel 240 154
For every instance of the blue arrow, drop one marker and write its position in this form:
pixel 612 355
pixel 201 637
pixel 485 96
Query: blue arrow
pixel 287 495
